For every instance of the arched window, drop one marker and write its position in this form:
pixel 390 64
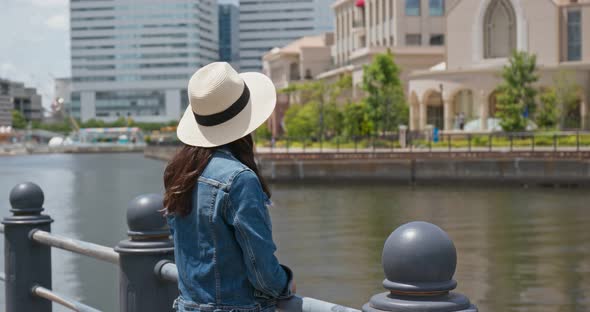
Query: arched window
pixel 499 29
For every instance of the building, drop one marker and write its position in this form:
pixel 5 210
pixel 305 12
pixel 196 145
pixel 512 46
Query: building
pixel 266 24
pixel 413 30
pixel 62 100
pixel 229 31
pixel 134 58
pixel 6 106
pixel 302 59
pixel 481 35
pixel 15 96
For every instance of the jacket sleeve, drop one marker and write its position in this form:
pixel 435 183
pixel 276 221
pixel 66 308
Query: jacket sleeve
pixel 248 214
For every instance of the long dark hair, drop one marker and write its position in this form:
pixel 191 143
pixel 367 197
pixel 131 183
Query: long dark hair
pixel 182 172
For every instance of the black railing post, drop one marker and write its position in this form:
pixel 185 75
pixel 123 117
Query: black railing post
pixel 303 144
pixel 26 263
pixel 533 142
pixel 419 260
pixel 449 141
pixel 140 290
pixel 578 141
pixel 287 145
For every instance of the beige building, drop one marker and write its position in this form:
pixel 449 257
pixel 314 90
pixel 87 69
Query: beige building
pixel 302 59
pixel 414 31
pixel 480 36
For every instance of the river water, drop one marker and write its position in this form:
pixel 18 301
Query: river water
pixel 518 249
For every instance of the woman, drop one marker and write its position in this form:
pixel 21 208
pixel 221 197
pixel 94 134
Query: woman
pixel 216 199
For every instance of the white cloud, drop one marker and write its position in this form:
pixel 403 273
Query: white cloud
pixel 50 3
pixel 58 22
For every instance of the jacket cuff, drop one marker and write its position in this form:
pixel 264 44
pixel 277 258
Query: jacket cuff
pixel 286 293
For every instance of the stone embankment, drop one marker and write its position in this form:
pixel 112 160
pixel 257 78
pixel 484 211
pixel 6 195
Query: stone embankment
pixel 20 149
pixel 517 167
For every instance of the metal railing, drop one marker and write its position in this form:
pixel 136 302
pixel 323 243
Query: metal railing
pixel 149 277
pixel 424 142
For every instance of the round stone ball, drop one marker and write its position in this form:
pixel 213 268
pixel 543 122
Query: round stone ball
pixel 144 214
pixel 419 253
pixel 26 196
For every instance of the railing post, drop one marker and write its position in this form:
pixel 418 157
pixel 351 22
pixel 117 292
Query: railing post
pixel 419 261
pixel 149 242
pixel 26 263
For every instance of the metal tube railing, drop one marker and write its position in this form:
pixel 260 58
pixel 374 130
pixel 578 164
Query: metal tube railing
pixel 65 301
pixel 76 246
pixel 145 260
pixel 167 271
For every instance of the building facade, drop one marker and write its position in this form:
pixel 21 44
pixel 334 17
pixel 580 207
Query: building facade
pixel 300 60
pixel 481 35
pixel 266 24
pixel 229 31
pixel 15 96
pixel 133 58
pixel 413 30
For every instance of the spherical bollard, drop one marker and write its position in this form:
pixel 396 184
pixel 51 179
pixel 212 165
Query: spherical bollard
pixel 26 198
pixel 144 216
pixel 419 261
pixel 149 243
pixel 26 263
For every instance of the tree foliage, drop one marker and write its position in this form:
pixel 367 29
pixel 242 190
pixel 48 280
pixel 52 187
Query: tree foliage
pixel 567 97
pixel 548 114
pixel 385 93
pixel 302 120
pixel 314 111
pixel 516 98
pixel 18 120
pixel 357 119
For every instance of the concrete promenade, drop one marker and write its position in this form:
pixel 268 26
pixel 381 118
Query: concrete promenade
pixel 544 165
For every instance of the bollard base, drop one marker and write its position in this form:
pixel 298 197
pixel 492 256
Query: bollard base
pixel 450 302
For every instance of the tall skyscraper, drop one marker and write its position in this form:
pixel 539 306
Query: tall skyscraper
pixel 133 58
pixel 266 24
pixel 229 34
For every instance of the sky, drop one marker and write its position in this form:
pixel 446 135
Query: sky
pixel 34 43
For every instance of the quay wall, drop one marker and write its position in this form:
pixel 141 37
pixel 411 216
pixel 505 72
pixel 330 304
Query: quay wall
pixel 71 149
pixel 498 168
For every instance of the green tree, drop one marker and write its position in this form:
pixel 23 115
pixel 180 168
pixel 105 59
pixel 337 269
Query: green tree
pixel 18 120
pixel 357 119
pixel 516 96
pixel 385 93
pixel 301 121
pixel 567 95
pixel 263 132
pixel 548 114
pixel 322 97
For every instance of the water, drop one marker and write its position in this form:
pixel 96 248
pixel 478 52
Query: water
pixel 518 249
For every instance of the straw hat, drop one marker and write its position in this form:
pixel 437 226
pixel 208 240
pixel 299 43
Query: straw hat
pixel 224 105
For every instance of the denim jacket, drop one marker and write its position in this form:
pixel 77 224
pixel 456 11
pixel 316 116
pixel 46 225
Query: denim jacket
pixel 224 249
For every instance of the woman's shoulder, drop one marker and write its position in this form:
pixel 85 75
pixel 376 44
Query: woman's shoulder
pixel 223 168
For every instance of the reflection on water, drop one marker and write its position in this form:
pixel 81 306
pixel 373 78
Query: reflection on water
pixel 519 249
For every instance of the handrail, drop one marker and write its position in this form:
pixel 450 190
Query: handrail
pixel 167 271
pixel 67 302
pixel 76 246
